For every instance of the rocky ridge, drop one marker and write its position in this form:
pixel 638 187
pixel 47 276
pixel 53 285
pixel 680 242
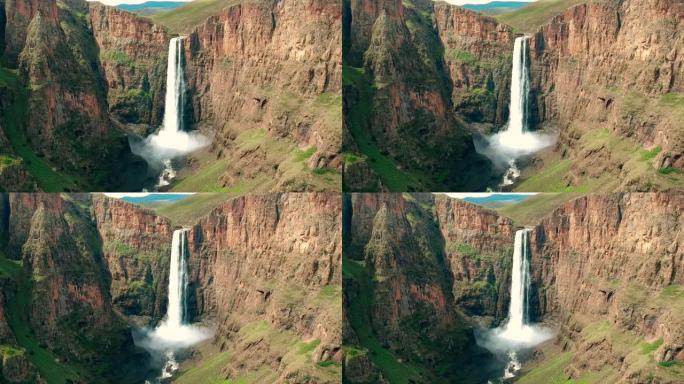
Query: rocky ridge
pixel 256 67
pixel 608 65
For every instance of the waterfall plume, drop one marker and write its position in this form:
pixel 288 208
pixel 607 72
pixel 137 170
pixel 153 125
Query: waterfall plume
pixel 171 140
pixel 174 332
pixel 516 140
pixel 517 333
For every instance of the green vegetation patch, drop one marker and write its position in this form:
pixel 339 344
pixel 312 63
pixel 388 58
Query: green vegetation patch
pixel 119 57
pixel 528 19
pixel 669 171
pixel 188 210
pixel 183 19
pixel 549 372
pixel 647 155
pixel 11 351
pixel 649 348
pixel 302 155
pixel 531 210
pixel 463 57
pixel 549 179
pixel 46 176
pixel 209 371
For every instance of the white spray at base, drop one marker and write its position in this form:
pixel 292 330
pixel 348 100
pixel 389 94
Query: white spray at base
pixel 517 333
pixel 171 140
pixel 504 147
pixel 174 332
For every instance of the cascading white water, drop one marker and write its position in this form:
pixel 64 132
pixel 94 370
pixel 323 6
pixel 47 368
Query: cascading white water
pixel 516 328
pixel 178 280
pixel 517 333
pixel 170 135
pixel 504 147
pixel 174 332
pixel 171 140
pixel 520 89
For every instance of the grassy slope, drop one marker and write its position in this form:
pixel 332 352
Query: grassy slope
pixel 17 317
pixel 396 372
pixel 188 210
pixel 392 177
pixel 292 161
pixel 530 211
pixel 209 364
pixel 47 178
pixel 183 19
pixel 528 19
pixel 637 351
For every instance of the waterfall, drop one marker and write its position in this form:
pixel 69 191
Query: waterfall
pixel 506 146
pixel 518 312
pixel 171 140
pixel 176 313
pixel 175 96
pixel 174 333
pixel 518 333
pixel 520 89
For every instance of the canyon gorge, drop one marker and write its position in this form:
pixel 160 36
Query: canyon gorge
pixel 426 276
pixel 259 83
pixel 83 276
pixel 426 81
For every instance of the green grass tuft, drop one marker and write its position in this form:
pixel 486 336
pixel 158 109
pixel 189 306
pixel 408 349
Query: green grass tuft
pixel 648 155
pixel 648 348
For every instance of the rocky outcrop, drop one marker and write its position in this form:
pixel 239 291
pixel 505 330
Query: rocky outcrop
pixel 136 244
pixel 478 247
pixel 276 258
pixel 615 258
pixel 60 74
pixel 133 54
pixel 273 66
pixel 477 52
pixel 607 64
pixel 398 52
pixel 412 279
pixel 65 302
pixel 17 17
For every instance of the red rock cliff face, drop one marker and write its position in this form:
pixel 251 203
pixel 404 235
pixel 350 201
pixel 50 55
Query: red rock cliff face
pixel 18 15
pixel 270 257
pixel 609 64
pixel 477 52
pixel 253 63
pixel 400 51
pixel 133 53
pixel 613 257
pixel 136 247
pixel 68 303
pixel 478 247
pixel 418 266
pixel 52 47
